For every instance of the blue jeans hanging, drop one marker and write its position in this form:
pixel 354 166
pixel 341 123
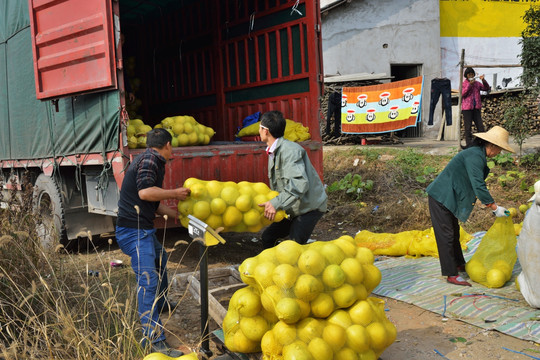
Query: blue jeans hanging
pixel 441 87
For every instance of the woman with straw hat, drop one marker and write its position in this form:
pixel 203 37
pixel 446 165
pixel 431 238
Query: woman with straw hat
pixel 454 192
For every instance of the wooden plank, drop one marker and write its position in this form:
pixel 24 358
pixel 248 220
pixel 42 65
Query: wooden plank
pixel 215 310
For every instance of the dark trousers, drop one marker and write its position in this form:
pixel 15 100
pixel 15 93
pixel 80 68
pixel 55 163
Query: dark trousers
pixel 470 117
pixel 298 229
pixel 446 228
pixel 441 87
pixel 334 109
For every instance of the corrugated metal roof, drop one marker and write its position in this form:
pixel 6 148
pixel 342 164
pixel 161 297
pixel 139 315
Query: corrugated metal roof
pixel 356 77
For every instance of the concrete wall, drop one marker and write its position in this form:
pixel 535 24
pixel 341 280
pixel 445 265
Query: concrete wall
pixel 371 35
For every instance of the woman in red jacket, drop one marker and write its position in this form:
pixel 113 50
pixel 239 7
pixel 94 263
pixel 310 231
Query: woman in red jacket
pixel 471 104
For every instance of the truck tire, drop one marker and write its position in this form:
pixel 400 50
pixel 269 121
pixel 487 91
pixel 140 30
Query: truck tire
pixel 49 212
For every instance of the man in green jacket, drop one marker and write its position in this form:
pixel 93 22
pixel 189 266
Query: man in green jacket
pixel 453 195
pixel 290 172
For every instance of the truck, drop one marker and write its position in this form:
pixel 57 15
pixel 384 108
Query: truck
pixel 63 107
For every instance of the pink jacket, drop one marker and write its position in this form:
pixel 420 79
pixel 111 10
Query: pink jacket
pixel 471 94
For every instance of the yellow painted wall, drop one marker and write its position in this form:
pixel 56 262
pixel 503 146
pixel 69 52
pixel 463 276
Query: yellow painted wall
pixel 483 18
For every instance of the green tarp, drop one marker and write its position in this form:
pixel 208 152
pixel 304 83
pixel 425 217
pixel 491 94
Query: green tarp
pixel 33 129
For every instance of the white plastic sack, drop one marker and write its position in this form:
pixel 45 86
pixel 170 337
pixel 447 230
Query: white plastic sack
pixel 529 252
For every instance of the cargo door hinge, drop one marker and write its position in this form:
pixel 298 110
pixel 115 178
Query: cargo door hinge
pixel 119 64
pixel 318 28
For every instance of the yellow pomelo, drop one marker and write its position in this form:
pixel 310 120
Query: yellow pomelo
pixel 270 297
pixel 332 253
pixel 391 332
pixel 258 200
pixel 193 138
pixel 243 203
pixel 353 271
pixel 247 270
pixel 320 350
pixel 241 227
pixel 361 292
pixel 178 128
pixel 260 188
pixel 495 278
pixel 341 318
pixel 284 333
pixel 131 130
pixel 372 277
pixel 183 140
pixel 229 194
pixel 243 344
pixel 280 215
pixel 296 351
pixel 206 140
pixel 232 216
pixel 335 336
pixel 231 321
pixel 268 255
pixel 513 211
pixel 307 287
pixel 141 141
pixel 246 189
pixel 333 276
pixel 201 210
pixel 264 221
pixel 309 329
pixel 348 248
pixel 322 306
pixel 284 276
pixel 378 338
pixel 476 271
pixel 288 310
pixel 367 355
pixel 365 255
pixel 186 207
pixel 254 327
pixel 188 128
pixel 198 191
pixel 214 187
pixel 214 221
pixel 255 228
pixel 361 313
pixel 218 206
pixel 174 142
pixel 270 345
pixel 345 354
pixel 305 308
pixel 523 208
pixel 209 131
pixel 504 267
pixel 132 142
pixel 270 317
pixel 252 218
pixel 263 274
pixel 344 296
pixel 184 221
pixel 311 262
pixel 288 251
pixel 357 338
pixel 248 303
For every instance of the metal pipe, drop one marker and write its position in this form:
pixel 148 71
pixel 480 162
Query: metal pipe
pixel 205 347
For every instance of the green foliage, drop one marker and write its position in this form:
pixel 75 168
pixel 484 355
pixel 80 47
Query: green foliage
pixel 501 160
pixel 530 161
pixel 519 116
pixel 352 185
pixel 530 47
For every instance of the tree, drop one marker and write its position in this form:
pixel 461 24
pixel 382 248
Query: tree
pixel 530 48
pixel 519 117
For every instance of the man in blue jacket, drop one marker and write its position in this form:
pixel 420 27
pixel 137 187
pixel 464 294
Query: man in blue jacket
pixel 290 172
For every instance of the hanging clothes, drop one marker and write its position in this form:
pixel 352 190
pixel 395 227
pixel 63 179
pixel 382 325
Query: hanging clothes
pixel 441 86
pixel 334 110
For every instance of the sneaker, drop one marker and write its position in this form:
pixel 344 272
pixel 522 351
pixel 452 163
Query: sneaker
pixel 457 280
pixel 164 348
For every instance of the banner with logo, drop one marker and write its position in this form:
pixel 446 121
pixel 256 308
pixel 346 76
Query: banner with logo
pixel 381 108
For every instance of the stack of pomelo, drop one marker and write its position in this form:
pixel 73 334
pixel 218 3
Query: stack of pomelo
pixel 309 302
pixel 493 277
pixel 228 205
pixel 186 131
pixel 136 133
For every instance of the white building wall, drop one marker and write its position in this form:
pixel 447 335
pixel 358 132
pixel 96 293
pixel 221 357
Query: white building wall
pixel 371 35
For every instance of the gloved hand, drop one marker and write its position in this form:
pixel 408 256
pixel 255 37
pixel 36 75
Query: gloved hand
pixel 500 212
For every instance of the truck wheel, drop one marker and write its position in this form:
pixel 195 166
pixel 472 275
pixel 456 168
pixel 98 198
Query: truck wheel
pixel 49 212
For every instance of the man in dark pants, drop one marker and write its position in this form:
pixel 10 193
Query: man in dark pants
pixel 290 172
pixel 140 200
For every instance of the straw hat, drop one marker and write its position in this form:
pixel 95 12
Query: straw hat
pixel 497 136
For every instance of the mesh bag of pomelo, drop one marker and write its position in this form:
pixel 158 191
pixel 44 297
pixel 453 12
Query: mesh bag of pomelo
pixel 228 205
pixel 296 282
pixel 492 263
pixel 414 243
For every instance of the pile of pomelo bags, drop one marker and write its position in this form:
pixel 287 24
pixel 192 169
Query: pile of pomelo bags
pixel 309 302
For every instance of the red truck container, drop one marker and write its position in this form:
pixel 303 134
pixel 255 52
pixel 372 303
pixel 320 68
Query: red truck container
pixel 63 99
